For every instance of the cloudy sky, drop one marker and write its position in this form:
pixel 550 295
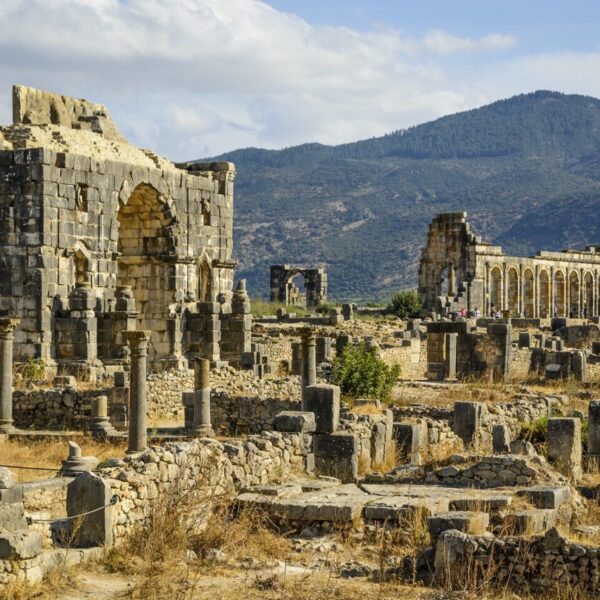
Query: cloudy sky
pixel 193 78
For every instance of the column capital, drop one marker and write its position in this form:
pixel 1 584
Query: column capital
pixel 7 326
pixel 309 335
pixel 137 340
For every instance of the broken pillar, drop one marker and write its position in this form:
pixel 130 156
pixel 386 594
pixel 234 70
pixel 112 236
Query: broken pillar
pixel 99 423
pixel 500 439
pixel 138 408
pixel 340 343
pixel 296 358
pixel 7 327
pixel 593 440
pixel 202 421
pixel 451 342
pixel 324 401
pixel 347 311
pixel 88 492
pixel 564 446
pixel 579 363
pixel 75 463
pixel 466 420
pixel 323 350
pixel 309 361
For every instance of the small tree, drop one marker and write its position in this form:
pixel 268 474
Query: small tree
pixel 406 304
pixel 361 373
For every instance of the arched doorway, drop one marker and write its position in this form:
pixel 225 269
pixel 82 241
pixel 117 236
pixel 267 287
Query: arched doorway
pixel 496 288
pixel 559 294
pixel 574 306
pixel 588 302
pixel 295 289
pixel 145 245
pixel 544 294
pixel 528 294
pixel 513 291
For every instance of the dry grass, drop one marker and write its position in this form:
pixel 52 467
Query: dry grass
pixel 50 453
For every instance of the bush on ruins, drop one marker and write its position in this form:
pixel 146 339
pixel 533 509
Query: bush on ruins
pixel 406 304
pixel 361 373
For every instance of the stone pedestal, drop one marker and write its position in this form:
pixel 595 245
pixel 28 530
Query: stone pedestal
pixel 309 361
pixel 202 421
pixel 138 410
pixel 7 327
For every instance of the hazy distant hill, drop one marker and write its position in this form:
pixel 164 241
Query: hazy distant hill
pixel 526 169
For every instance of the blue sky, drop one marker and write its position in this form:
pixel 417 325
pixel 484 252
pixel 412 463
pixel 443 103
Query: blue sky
pixel 193 78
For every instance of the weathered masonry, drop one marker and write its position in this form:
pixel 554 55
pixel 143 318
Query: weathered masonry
pixel 98 236
pixel 459 270
pixel 284 288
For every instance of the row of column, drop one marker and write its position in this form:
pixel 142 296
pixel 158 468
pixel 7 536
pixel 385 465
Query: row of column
pixel 137 340
pixel 547 300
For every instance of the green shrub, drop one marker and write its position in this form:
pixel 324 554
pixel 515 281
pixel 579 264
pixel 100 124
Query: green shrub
pixel 406 304
pixel 34 369
pixel 361 373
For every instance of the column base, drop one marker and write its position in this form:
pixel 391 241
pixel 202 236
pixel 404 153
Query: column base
pixel 205 431
pixel 7 427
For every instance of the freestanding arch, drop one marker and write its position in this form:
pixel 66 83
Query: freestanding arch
pixel 544 294
pixel 513 291
pixel 528 294
pixel 146 247
pixel 284 290
pixel 559 294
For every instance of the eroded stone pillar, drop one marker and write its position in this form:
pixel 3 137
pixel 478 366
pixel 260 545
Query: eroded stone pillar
pixel 138 406
pixel 309 361
pixel 7 327
pixel 202 421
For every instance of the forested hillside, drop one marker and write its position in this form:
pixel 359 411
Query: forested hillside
pixel 526 169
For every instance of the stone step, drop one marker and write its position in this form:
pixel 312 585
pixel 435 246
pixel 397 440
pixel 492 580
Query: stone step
pixel 474 523
pixel 528 522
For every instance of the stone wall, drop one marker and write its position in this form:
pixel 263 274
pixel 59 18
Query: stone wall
pixel 204 467
pixel 411 356
pixel 545 563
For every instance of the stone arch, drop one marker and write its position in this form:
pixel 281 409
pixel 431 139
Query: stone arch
pixel 588 297
pixel 512 297
pixel 496 287
pixel 559 294
pixel 574 289
pixel 146 247
pixel 528 294
pixel 544 294
pixel 295 294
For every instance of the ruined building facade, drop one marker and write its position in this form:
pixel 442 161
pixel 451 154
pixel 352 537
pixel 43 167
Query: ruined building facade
pixel 98 236
pixel 459 270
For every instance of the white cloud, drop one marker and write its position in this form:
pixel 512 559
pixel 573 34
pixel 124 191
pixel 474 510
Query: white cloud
pixel 196 77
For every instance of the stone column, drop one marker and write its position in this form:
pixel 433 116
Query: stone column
pixel 309 361
pixel 7 327
pixel 138 409
pixel 202 421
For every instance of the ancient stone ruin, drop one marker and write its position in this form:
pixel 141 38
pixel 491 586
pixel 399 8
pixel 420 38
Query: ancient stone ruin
pixel 284 286
pixel 459 270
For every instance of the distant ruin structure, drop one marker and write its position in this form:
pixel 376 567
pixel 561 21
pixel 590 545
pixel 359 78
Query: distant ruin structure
pixel 98 236
pixel 459 270
pixel 284 288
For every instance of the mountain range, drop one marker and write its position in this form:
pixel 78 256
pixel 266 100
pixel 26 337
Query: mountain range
pixel 525 169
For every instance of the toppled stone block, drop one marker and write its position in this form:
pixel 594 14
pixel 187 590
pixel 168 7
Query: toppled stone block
pixel 324 401
pixel 500 439
pixel 474 523
pixel 295 421
pixel 20 544
pixel 530 522
pixel 564 446
pixel 546 496
pixel 12 517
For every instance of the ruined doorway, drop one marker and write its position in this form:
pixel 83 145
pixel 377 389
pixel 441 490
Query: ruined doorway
pixel 544 295
pixel 146 246
pixel 559 294
pixel 574 304
pixel 496 288
pixel 528 294
pixel 513 291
